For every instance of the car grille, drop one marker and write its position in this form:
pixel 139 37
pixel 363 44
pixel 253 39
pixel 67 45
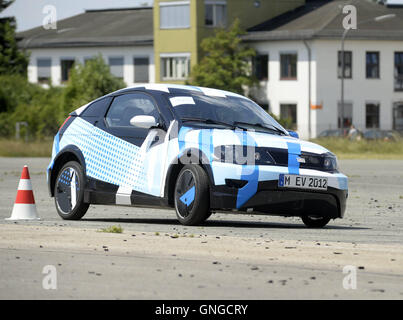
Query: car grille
pixel 280 157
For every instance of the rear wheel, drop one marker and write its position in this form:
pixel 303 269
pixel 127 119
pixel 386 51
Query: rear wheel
pixel 315 221
pixel 69 192
pixel 192 201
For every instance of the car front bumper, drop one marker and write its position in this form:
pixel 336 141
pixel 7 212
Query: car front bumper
pixel 269 198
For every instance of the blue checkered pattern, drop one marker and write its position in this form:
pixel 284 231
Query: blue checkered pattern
pixel 108 158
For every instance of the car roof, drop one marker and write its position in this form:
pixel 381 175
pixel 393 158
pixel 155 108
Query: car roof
pixel 167 88
pixel 174 88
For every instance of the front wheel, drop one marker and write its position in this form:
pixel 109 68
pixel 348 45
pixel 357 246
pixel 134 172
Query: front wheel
pixel 315 221
pixel 69 192
pixel 192 200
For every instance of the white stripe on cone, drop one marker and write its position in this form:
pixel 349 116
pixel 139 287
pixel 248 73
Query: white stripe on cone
pixel 25 184
pixel 24 211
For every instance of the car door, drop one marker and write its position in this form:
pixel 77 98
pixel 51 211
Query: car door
pixel 137 151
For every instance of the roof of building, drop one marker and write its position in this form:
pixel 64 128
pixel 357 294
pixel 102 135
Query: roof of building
pixel 324 20
pixel 107 27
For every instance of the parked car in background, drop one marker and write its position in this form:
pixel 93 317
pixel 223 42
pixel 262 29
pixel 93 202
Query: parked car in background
pixel 386 135
pixel 331 133
pixel 338 133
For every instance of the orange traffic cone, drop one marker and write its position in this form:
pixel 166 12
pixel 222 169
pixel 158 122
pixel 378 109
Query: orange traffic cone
pixel 24 206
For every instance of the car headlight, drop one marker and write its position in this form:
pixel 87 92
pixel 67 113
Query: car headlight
pixel 243 155
pixel 330 163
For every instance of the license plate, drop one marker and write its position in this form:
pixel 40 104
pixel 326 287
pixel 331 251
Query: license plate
pixel 302 182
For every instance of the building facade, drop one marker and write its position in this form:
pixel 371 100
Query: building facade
pixel 123 37
pixel 300 55
pixel 181 25
pixel 373 88
pixel 298 61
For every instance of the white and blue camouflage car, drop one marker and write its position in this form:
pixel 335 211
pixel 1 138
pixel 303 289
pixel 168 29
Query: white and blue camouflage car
pixel 198 150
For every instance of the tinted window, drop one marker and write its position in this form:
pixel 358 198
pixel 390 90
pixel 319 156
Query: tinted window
pixel 127 106
pixel 97 108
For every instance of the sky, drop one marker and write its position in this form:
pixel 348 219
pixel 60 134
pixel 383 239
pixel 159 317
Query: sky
pixel 29 13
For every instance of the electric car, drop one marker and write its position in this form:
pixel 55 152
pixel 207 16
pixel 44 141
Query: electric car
pixel 198 150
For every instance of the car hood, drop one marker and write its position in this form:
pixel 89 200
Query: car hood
pixel 217 137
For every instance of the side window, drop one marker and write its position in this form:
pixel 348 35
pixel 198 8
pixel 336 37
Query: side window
pixel 97 108
pixel 127 106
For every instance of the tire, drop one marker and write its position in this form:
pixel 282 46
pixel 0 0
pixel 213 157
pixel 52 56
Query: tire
pixel 315 221
pixel 192 207
pixel 69 200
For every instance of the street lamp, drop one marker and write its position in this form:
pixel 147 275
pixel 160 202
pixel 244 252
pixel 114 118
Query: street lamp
pixel 376 19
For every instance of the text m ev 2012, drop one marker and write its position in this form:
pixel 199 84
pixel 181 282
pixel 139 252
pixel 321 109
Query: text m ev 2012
pixel 199 150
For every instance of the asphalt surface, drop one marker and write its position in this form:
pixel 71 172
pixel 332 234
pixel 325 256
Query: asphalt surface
pixel 230 257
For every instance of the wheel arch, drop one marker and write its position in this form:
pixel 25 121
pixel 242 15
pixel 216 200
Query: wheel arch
pixel 176 166
pixel 68 153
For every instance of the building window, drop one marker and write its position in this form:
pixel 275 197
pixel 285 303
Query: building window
pixel 141 70
pixel 66 65
pixel 116 66
pixel 347 114
pixel 288 66
pixel 398 71
pixel 175 68
pixel 372 62
pixel 44 69
pixel 372 115
pixel 289 111
pixel 260 67
pixel 347 65
pixel 174 15
pixel 215 13
pixel 398 116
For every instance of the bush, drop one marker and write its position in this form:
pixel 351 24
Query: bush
pixel 14 90
pixel 45 109
pixel 88 82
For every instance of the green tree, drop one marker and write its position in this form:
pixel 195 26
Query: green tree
pixel 88 82
pixel 226 61
pixel 12 60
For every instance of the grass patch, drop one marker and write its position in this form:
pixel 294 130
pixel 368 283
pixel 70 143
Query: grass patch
pixel 112 229
pixel 14 148
pixel 363 149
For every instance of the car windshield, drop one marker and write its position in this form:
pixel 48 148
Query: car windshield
pixel 232 110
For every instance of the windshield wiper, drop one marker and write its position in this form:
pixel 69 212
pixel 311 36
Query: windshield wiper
pixel 209 121
pixel 271 128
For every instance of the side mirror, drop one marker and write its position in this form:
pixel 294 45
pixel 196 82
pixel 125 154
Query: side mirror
pixel 145 122
pixel 293 134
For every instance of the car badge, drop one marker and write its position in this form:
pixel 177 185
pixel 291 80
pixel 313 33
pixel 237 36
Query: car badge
pixel 300 160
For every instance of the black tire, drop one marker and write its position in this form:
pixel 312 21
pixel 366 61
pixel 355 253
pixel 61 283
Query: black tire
pixel 192 207
pixel 69 200
pixel 315 221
